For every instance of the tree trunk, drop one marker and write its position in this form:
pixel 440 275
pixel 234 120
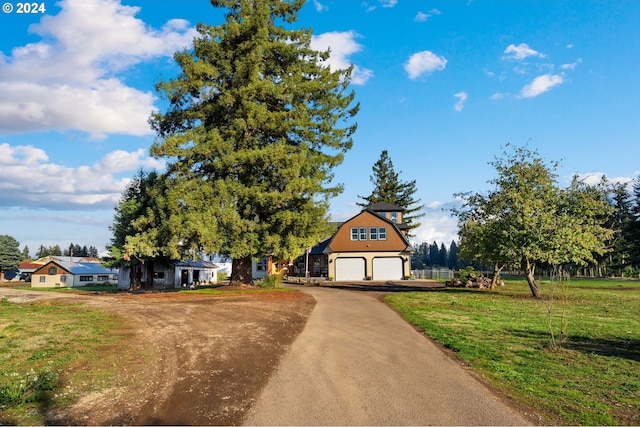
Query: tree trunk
pixel 241 272
pixel 529 271
pixel 496 276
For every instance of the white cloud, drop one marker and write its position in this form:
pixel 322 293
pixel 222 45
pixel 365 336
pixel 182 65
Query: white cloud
pixel 571 66
pixel 424 62
pixel 388 3
pixel 319 6
pixel 342 46
pixel 27 178
pixel 437 225
pixel 520 52
pixel 462 98
pixel 422 17
pixel 540 85
pixel 68 80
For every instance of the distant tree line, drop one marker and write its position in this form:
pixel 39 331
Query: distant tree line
pixel 55 250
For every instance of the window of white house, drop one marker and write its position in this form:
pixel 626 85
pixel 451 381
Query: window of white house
pixel 373 233
pixel 86 278
pixel 52 271
pixel 261 265
pixel 363 233
pixel 43 279
pixel 394 217
pixel 105 278
pixel 156 275
pixel 354 233
pixel 382 233
pixel 114 277
pixel 63 278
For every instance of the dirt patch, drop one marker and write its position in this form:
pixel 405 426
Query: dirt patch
pixel 191 359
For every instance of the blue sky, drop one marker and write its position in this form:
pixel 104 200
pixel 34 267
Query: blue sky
pixel 443 86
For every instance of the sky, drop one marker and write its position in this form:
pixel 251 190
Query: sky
pixel 443 86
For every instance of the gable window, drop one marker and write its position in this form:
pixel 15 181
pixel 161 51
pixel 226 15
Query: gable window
pixel 382 233
pixel 394 217
pixel 52 271
pixel 354 233
pixel 373 233
pixel 363 233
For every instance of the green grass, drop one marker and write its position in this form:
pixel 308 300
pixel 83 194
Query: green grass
pixel 44 350
pixel 591 378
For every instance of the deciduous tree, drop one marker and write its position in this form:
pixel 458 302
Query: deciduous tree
pixel 527 219
pixel 256 122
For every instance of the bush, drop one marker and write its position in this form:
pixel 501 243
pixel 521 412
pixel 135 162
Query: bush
pixel 270 282
pixel 467 273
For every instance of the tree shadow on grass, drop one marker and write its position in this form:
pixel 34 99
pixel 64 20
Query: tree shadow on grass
pixel 608 347
pixel 612 347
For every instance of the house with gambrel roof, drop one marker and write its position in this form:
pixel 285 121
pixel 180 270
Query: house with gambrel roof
pixel 371 245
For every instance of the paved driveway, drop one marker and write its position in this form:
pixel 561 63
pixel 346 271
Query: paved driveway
pixel 358 363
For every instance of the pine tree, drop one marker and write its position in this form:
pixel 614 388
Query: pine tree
pixel 620 223
pixel 387 187
pixel 434 255
pixel 25 252
pixel 632 232
pixel 452 261
pixel 42 252
pixel 252 133
pixel 10 255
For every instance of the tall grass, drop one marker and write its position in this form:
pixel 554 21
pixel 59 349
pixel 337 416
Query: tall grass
pixel 591 378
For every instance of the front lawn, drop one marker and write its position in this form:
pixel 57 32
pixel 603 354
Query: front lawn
pixel 592 376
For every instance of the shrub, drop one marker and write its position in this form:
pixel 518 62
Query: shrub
pixel 467 273
pixel 270 282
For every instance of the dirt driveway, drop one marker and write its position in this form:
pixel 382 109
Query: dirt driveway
pixel 193 359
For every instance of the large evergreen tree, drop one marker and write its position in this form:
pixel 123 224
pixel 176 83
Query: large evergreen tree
pixel 389 188
pixel 633 229
pixel 620 222
pixel 255 124
pixel 10 255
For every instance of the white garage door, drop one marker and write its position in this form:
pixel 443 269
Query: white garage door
pixel 387 268
pixel 350 269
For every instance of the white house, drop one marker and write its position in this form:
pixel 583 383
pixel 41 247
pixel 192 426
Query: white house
pixel 172 275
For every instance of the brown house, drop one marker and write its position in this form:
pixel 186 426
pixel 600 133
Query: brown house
pixel 372 245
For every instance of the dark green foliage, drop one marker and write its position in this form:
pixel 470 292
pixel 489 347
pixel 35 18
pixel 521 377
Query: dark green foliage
pixel 387 187
pixel 10 255
pixel 255 124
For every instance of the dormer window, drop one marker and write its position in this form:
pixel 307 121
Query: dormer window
pixel 393 217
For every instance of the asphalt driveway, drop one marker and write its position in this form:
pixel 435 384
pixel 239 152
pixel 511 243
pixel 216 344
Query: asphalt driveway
pixel 358 363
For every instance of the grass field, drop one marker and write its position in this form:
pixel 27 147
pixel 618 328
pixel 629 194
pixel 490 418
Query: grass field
pixel 42 349
pixel 591 376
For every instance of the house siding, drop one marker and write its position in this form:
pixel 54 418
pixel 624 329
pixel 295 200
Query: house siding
pixel 342 241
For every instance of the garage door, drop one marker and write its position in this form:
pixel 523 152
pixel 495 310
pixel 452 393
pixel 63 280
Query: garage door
pixel 350 269
pixel 387 268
